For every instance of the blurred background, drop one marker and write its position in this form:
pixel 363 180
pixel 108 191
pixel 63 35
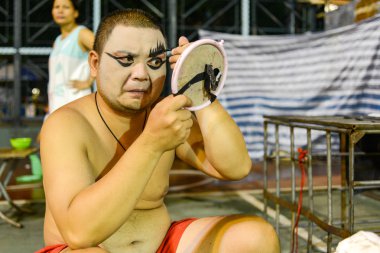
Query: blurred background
pixel 27 32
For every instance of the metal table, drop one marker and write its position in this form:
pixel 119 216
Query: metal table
pixel 350 130
pixel 9 158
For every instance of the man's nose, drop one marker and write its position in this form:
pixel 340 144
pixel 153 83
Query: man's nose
pixel 140 71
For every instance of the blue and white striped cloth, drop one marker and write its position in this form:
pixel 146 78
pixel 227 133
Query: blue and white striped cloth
pixel 336 72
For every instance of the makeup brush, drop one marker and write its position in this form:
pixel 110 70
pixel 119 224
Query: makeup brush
pixel 168 52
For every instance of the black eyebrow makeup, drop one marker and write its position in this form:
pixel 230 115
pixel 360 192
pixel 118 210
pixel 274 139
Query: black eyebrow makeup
pixel 159 49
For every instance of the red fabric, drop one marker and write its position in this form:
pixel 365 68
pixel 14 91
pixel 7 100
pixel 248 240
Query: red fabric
pixel 174 234
pixel 52 248
pixel 168 245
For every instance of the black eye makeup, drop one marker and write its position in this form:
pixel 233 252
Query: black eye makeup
pixel 154 62
pixel 124 61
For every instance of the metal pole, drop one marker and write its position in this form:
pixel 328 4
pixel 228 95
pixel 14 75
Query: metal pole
pixel 311 18
pixel 277 139
pixel 343 180
pixel 96 12
pixel 17 12
pixel 245 17
pixel 310 191
pixel 351 158
pixel 254 17
pixel 292 159
pixel 329 189
pixel 172 38
pixel 265 168
pixel 292 24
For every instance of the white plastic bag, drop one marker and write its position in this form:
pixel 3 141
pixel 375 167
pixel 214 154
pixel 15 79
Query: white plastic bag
pixel 361 242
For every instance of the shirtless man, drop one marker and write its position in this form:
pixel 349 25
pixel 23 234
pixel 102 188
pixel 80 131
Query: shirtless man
pixel 107 156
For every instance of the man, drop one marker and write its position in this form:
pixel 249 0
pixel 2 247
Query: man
pixel 106 157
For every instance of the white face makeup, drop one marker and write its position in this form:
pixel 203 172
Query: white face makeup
pixel 132 68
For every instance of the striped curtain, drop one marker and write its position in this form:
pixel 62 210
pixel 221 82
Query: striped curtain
pixel 336 72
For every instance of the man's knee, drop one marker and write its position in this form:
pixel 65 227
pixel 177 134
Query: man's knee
pixel 250 234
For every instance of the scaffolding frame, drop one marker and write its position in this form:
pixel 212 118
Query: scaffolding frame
pixel 243 17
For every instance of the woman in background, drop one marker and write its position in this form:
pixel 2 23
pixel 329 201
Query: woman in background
pixel 69 76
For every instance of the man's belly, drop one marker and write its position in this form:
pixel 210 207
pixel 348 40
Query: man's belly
pixel 142 233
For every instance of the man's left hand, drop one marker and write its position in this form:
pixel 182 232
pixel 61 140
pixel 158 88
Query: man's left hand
pixel 183 43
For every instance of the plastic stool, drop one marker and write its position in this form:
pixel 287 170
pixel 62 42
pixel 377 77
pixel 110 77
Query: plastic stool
pixel 36 176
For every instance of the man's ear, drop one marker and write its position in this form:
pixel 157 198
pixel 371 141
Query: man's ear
pixel 93 60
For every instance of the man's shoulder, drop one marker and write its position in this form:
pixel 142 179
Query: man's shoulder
pixel 74 114
pixel 68 126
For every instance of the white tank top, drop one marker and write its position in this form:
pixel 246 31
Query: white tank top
pixel 67 62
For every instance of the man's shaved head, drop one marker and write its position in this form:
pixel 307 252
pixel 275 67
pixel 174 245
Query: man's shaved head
pixel 129 17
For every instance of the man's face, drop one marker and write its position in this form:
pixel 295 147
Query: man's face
pixel 131 73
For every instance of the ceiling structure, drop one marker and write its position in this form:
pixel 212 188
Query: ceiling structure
pixel 26 31
pixel 325 2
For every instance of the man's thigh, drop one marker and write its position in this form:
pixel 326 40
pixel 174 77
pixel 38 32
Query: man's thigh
pixel 195 233
pixel 233 233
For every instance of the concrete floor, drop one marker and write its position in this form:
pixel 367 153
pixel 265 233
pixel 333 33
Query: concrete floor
pixel 207 199
pixel 199 204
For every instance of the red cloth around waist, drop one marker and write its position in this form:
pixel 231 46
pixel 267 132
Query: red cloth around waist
pixel 173 236
pixel 168 245
pixel 52 248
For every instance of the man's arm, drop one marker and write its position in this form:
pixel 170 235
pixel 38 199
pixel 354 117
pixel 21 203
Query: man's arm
pixel 216 145
pixel 87 211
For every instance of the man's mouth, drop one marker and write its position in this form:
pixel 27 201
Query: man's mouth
pixel 137 89
pixel 137 92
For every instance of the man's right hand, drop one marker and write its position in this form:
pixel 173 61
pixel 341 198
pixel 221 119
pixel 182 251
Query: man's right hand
pixel 169 123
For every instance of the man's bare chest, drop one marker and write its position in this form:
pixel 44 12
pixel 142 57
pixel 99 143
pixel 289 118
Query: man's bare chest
pixel 104 160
